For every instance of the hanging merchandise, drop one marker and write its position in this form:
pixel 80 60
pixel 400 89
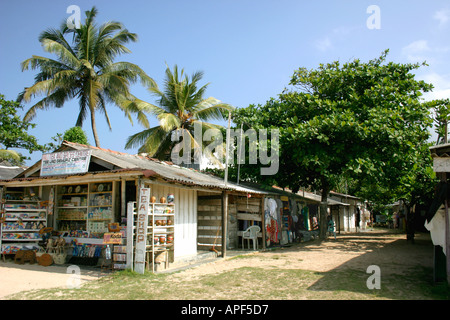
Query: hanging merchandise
pixel 315 224
pixel 272 231
pixel 271 206
pixel 108 253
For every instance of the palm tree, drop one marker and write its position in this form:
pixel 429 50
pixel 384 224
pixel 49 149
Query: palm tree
pixel 85 70
pixel 181 106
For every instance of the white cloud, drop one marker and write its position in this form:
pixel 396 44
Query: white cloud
pixel 335 36
pixel 441 85
pixel 417 51
pixel 421 50
pixel 324 44
pixel 443 16
pixel 420 45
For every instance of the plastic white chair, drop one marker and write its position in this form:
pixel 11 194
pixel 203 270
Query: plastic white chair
pixel 251 234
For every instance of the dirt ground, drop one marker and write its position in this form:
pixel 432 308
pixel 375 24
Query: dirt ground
pixel 16 278
pixel 390 251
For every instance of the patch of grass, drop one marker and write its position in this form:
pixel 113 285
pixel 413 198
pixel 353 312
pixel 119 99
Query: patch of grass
pixel 249 283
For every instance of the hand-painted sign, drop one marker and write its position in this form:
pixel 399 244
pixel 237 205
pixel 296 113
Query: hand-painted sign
pixel 112 238
pixel 141 229
pixel 67 162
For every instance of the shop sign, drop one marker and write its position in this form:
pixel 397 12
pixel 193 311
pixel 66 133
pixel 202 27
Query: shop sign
pixel 141 229
pixel 112 238
pixel 66 162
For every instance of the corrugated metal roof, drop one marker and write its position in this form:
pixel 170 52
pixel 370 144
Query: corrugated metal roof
pixel 440 150
pixel 153 168
pixel 169 172
pixel 9 172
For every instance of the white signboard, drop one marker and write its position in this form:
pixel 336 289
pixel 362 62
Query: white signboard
pixel 67 162
pixel 141 229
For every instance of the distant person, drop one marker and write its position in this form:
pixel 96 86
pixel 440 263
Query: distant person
pixel 358 218
pixel 331 227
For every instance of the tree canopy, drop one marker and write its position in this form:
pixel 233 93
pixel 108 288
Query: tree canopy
pixel 181 105
pixel 359 120
pixel 84 69
pixel 14 133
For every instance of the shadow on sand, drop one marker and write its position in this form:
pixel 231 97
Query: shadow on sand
pixel 392 269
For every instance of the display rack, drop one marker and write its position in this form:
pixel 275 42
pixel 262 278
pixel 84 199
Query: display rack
pixel 116 240
pixel 119 257
pixel 160 234
pixel 85 207
pixel 161 231
pixel 23 218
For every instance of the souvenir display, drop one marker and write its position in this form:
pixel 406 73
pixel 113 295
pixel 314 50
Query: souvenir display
pixel 89 208
pixel 23 215
pixel 161 237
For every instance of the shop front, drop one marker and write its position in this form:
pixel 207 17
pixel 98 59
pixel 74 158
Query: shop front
pixel 67 215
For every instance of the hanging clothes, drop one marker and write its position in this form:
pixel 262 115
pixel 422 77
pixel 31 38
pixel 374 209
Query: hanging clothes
pixel 315 224
pixel 272 231
pixel 271 206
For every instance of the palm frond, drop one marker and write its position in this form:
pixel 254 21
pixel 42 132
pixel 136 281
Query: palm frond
pixel 211 108
pixel 55 99
pixel 64 55
pixel 148 140
pixel 169 121
pixel 102 109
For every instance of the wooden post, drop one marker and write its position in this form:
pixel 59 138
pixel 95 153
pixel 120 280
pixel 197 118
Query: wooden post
pixel 447 240
pixel 123 204
pixel 224 223
pixel 338 224
pixel 130 236
pixel 263 223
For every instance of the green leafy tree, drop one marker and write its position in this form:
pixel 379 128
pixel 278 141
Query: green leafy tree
pixel 363 121
pixel 84 69
pixel 74 134
pixel 441 110
pixel 14 133
pixel 77 135
pixel 181 106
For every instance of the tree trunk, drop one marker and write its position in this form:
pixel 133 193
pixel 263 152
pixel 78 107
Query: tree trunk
pixel 410 223
pixel 323 213
pixel 94 128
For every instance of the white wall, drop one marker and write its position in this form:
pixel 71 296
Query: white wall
pixel 185 238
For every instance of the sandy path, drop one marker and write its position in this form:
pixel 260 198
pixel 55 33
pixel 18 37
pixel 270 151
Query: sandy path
pixel 355 251
pixel 15 278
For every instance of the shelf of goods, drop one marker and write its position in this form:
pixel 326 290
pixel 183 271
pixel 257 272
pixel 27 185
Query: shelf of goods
pixel 85 207
pixel 160 233
pixel 22 220
pixel 119 257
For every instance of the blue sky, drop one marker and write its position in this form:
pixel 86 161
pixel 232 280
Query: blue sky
pixel 247 49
